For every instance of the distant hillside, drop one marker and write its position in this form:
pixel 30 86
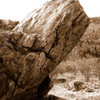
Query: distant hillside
pixel 89 44
pixel 7 24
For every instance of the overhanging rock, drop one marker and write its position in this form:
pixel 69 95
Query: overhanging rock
pixel 36 46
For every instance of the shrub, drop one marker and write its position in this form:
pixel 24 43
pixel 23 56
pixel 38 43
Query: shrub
pixel 85 69
pixel 65 66
pixel 97 68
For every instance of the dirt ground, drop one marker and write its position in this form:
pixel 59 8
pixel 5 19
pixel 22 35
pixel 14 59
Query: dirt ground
pixel 64 84
pixel 67 91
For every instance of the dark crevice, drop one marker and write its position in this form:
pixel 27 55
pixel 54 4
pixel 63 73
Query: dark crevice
pixel 38 51
pixel 43 88
pixel 16 83
pixel 48 56
pixel 56 38
pixel 34 50
pixel 1 60
pixel 74 21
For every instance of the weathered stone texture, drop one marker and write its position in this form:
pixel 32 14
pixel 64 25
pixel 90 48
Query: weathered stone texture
pixel 37 45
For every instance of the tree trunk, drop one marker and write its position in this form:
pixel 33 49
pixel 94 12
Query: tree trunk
pixel 36 46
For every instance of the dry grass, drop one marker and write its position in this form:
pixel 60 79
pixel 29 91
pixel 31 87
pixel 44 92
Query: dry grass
pixel 87 67
pixel 97 68
pixel 64 67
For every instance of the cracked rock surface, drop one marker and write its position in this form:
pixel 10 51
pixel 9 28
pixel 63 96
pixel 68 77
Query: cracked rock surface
pixel 36 46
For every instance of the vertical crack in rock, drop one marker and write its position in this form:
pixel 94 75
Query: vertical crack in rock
pixel 36 46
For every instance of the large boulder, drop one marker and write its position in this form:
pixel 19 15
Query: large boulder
pixel 36 46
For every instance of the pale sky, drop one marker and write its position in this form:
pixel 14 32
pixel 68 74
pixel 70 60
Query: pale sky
pixel 18 9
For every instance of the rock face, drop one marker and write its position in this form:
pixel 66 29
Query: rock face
pixel 36 46
pixel 79 85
